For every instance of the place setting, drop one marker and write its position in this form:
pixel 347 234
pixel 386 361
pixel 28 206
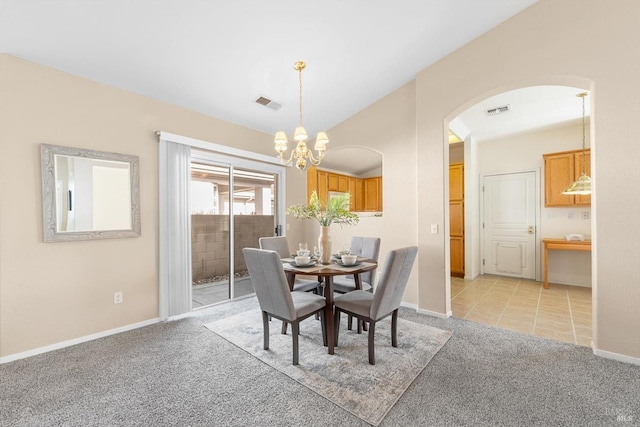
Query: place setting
pixel 303 257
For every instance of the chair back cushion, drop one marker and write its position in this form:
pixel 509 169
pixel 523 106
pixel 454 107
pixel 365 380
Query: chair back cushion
pixel 270 282
pixel 393 281
pixel 278 244
pixel 367 247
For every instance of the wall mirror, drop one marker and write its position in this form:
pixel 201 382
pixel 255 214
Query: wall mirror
pixel 89 194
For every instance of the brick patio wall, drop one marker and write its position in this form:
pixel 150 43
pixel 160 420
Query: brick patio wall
pixel 210 242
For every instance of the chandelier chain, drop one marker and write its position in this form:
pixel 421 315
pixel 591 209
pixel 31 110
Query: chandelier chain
pixel 300 98
pixel 584 168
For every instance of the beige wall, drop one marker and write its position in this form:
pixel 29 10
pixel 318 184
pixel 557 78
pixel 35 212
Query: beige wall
pixel 55 292
pixel 387 127
pixel 573 43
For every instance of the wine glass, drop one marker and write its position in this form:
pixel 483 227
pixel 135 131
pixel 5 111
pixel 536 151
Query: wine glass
pixel 317 251
pixel 303 249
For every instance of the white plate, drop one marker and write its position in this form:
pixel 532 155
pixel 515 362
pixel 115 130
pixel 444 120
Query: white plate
pixel 339 262
pixel 311 264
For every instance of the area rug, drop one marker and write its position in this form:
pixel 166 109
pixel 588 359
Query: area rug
pixel 345 378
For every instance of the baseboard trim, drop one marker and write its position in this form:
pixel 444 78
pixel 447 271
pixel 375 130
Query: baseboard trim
pixel 433 313
pixel 69 343
pixel 407 305
pixel 616 356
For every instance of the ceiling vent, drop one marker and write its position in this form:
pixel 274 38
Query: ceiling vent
pixel 498 110
pixel 264 101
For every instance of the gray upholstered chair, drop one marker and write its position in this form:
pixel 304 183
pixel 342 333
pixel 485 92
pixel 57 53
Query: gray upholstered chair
pixel 272 290
pixel 366 247
pixel 280 245
pixel 384 302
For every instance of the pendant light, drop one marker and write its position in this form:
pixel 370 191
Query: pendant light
pixel 302 155
pixel 583 185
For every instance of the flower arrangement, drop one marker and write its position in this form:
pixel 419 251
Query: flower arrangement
pixel 336 211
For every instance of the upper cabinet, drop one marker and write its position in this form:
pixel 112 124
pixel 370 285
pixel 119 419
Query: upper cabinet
pixel 365 193
pixel 560 170
pixel 373 194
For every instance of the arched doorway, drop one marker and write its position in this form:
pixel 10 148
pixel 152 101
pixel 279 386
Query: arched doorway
pixel 499 141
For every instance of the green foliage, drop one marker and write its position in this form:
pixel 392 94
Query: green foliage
pixel 336 211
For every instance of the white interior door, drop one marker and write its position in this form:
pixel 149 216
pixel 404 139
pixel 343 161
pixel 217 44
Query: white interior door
pixel 509 224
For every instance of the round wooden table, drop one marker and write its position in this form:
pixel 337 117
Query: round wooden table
pixel 325 273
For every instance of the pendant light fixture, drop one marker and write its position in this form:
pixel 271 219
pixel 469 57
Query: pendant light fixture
pixel 302 155
pixel 583 185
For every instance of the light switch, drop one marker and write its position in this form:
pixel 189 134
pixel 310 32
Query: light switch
pixel 434 228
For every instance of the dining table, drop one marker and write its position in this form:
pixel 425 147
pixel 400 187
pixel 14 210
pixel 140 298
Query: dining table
pixel 325 274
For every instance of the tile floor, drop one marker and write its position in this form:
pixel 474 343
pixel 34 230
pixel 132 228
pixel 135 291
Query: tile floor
pixel 561 312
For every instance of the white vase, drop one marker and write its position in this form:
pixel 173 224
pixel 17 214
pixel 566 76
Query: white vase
pixel 324 242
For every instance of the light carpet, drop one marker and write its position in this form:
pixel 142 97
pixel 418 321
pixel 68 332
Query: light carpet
pixel 345 378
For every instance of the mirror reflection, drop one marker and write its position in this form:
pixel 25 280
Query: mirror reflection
pixel 89 194
pixel 93 195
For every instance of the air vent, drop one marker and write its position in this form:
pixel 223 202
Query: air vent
pixel 498 110
pixel 263 100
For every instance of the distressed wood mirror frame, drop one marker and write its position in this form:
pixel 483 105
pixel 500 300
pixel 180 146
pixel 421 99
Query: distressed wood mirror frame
pixel 53 202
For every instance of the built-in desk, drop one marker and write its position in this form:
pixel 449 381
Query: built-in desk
pixel 561 245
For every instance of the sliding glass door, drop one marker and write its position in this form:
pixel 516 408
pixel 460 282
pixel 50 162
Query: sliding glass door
pixel 234 202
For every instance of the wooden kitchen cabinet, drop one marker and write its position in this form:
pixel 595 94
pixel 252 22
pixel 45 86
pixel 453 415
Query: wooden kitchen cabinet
pixel 456 218
pixel 560 170
pixel 373 194
pixel 359 200
pixel 319 181
pixel 333 181
pixel 343 183
pixel 365 194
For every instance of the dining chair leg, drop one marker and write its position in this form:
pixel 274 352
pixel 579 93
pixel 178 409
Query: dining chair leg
pixel 350 322
pixel 336 327
pixel 265 326
pixel 394 328
pixel 372 330
pixel 284 328
pixel 360 325
pixel 316 291
pixel 324 327
pixel 295 329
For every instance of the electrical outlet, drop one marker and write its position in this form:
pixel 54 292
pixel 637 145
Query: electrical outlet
pixel 117 298
pixel 570 215
pixel 585 215
pixel 434 228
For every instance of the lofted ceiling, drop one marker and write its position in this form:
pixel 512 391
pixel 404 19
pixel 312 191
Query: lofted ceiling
pixel 216 57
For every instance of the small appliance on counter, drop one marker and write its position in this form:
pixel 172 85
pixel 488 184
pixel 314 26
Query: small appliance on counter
pixel 574 237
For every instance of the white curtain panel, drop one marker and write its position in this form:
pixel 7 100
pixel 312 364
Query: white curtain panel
pixel 175 229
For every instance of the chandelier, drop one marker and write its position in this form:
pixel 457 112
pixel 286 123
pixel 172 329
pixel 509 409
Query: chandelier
pixel 583 184
pixel 302 155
